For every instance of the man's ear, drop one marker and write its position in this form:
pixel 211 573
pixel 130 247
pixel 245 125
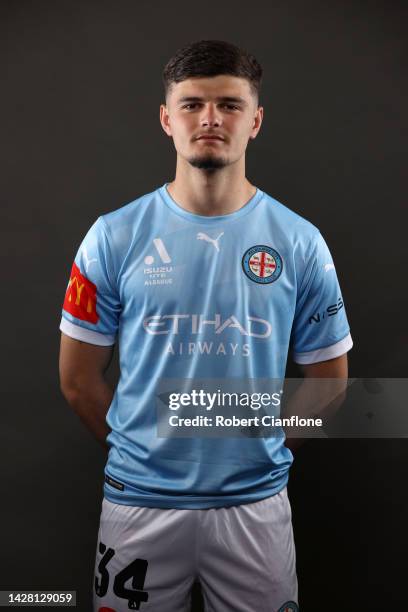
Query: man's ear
pixel 165 119
pixel 256 126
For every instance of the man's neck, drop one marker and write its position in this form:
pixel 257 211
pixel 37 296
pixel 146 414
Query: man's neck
pixel 210 193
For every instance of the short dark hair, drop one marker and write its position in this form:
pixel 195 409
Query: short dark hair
pixel 206 58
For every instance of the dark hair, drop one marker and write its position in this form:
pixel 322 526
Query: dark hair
pixel 206 58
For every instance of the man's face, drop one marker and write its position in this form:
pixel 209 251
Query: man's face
pixel 211 119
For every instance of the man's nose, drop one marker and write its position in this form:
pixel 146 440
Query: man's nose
pixel 210 116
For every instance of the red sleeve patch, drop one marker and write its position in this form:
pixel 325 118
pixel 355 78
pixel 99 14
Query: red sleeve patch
pixel 80 298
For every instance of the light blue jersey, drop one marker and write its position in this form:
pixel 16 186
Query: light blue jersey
pixel 189 297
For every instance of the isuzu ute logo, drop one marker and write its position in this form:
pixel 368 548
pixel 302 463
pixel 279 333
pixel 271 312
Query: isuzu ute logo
pixel 161 250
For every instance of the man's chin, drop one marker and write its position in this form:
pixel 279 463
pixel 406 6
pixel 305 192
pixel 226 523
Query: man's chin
pixel 207 162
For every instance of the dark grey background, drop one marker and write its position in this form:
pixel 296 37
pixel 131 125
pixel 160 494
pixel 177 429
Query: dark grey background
pixel 81 88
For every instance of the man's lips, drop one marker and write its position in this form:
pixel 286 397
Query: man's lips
pixel 209 137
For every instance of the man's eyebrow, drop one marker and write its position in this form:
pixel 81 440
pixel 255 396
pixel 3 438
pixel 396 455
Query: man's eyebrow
pixel 231 99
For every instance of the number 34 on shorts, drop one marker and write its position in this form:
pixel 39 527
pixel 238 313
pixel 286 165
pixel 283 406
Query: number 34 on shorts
pixel 136 570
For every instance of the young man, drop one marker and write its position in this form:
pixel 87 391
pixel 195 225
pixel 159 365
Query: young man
pixel 206 277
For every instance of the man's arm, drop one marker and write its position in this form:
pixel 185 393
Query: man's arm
pixel 333 368
pixel 82 367
pixel 317 397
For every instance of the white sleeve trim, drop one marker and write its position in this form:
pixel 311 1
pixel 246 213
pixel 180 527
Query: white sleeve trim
pixel 323 354
pixel 86 335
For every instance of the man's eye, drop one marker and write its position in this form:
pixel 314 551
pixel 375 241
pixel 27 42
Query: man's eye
pixel 194 105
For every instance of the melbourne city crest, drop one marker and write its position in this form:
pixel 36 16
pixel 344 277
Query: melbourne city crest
pixel 262 264
pixel 289 606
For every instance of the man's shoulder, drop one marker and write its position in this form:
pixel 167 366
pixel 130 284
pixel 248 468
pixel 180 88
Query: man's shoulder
pixel 131 210
pixel 120 228
pixel 290 222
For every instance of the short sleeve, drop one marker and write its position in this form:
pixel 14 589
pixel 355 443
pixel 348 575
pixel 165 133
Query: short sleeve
pixel 91 307
pixel 320 329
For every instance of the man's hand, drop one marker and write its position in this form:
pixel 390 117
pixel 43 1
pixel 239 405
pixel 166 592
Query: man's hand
pixel 82 367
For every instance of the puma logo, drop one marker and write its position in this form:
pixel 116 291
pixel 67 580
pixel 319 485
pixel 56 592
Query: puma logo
pixel 87 260
pixel 214 241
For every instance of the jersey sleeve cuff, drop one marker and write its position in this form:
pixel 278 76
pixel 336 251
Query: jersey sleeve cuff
pixel 86 335
pixel 323 354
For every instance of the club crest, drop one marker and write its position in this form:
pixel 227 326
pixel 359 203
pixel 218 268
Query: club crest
pixel 262 264
pixel 289 606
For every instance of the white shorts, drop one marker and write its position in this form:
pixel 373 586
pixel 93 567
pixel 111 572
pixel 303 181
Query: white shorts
pixel 243 556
